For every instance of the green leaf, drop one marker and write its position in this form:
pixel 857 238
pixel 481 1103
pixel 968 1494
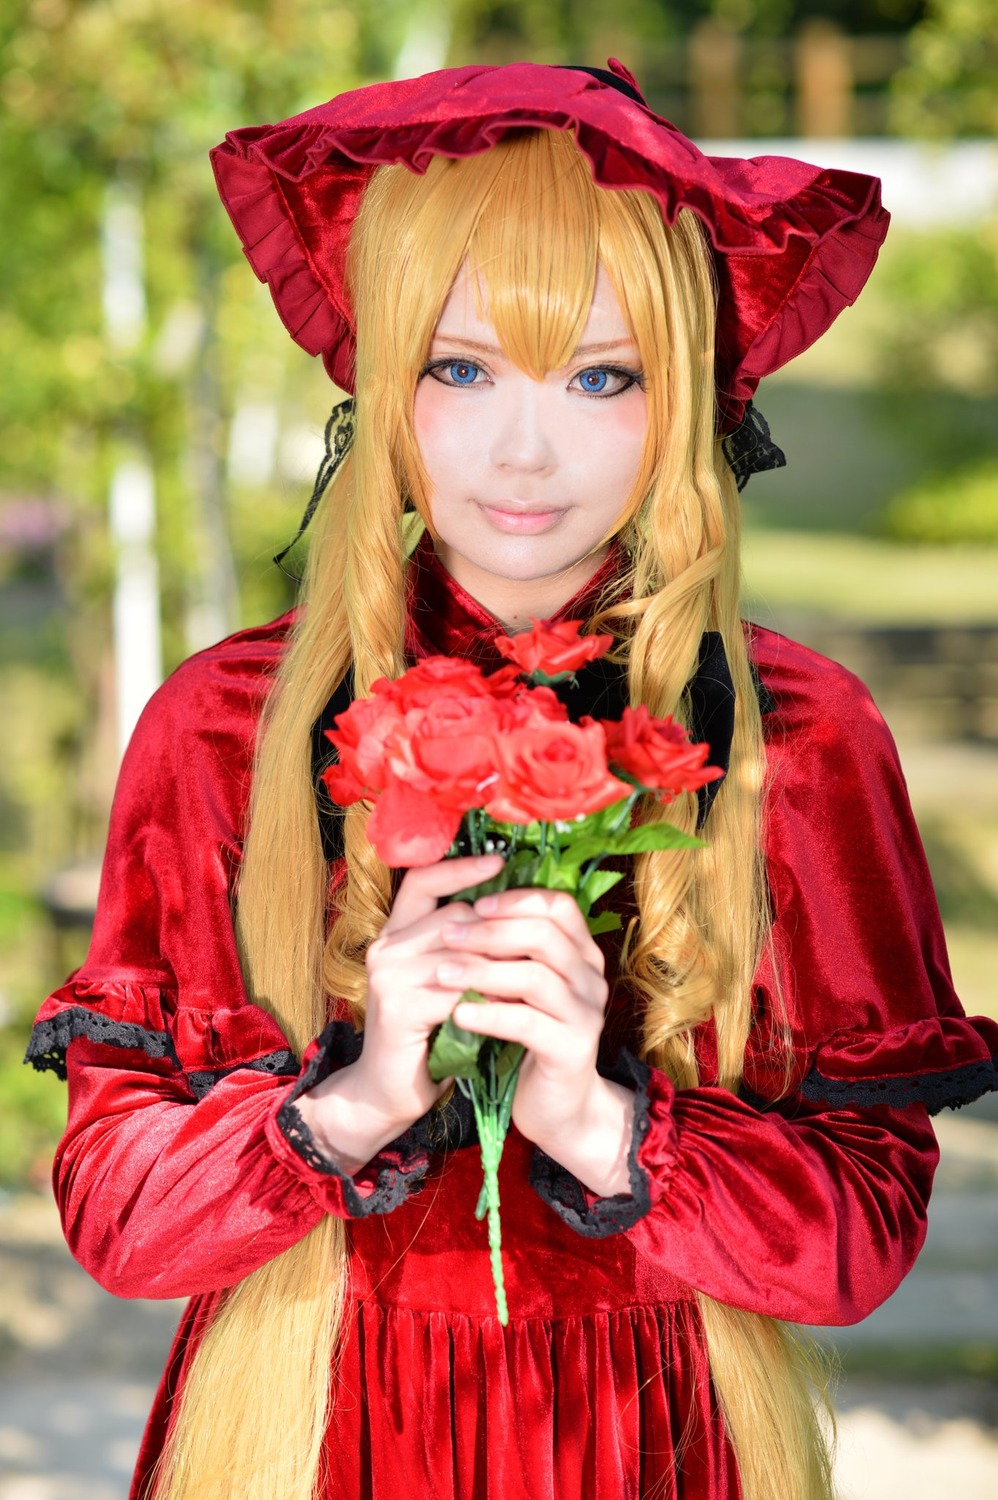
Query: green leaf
pixel 578 850
pixel 598 824
pixel 653 836
pixel 599 882
pixel 523 869
pixel 546 871
pixel 509 1059
pixel 564 878
pixel 607 921
pixel 454 1052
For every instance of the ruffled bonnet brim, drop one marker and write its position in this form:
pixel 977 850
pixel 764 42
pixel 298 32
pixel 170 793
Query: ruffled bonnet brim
pixel 793 243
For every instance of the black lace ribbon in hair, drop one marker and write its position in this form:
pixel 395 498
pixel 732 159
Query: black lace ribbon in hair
pixel 750 448
pixel 338 439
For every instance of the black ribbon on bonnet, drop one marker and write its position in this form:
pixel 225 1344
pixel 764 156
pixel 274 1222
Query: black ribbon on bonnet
pixel 338 437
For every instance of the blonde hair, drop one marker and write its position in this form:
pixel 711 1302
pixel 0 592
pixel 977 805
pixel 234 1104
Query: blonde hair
pixel 529 221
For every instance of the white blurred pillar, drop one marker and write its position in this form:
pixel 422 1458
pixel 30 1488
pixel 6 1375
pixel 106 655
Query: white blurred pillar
pixel 426 40
pixel 137 639
pixel 138 653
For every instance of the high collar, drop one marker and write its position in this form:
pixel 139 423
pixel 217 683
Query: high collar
pixel 443 619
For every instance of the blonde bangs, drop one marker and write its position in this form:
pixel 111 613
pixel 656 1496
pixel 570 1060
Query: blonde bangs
pixel 533 228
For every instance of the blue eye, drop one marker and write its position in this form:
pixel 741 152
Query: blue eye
pixel 462 373
pixel 607 380
pixel 594 381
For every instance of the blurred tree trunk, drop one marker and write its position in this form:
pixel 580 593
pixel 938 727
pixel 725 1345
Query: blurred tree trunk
pixel 212 606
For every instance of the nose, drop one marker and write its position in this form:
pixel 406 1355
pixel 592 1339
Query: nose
pixel 524 439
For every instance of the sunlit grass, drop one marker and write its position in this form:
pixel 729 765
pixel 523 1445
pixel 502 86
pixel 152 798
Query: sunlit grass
pixel 868 580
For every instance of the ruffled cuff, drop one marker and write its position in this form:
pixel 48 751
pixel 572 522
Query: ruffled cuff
pixel 51 1037
pixel 942 1062
pixel 124 1014
pixel 201 1043
pixel 649 1160
pixel 386 1181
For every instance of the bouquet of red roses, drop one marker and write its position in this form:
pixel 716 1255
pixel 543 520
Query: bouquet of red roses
pixel 456 762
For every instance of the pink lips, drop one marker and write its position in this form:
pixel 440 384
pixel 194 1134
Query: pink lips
pixel 520 522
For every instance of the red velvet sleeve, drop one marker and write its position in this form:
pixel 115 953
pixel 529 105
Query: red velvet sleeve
pixel 182 1168
pixel 806 1198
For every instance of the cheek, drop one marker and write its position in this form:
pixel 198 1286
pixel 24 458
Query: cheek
pixel 630 443
pixel 607 452
pixel 429 425
pixel 448 439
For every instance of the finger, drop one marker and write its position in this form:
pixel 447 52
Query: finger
pixel 423 887
pixel 527 937
pixel 408 1007
pixel 522 979
pixel 421 936
pixel 558 906
pixel 539 1033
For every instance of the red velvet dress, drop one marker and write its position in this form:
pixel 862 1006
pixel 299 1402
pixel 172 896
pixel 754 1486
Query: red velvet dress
pixel 184 1166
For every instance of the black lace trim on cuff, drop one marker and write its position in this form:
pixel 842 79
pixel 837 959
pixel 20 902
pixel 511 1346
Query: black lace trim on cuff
pixel 49 1039
pixel 340 1045
pixel 282 1062
pixel 949 1090
pixel 566 1195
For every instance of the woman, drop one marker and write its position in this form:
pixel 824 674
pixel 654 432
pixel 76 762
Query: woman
pixel 553 326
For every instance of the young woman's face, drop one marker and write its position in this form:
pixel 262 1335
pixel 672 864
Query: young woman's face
pixel 528 476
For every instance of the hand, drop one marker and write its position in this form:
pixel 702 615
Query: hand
pixel 534 959
pixel 360 1108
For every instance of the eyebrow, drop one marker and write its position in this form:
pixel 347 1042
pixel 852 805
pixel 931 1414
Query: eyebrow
pixel 466 343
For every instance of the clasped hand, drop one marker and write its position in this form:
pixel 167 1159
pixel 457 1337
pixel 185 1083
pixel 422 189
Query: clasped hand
pixel 530 953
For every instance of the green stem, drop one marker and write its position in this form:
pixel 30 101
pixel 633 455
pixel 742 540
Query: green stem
pixel 625 812
pixel 491 1165
pixel 491 1142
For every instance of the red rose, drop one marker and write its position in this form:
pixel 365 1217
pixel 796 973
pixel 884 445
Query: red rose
pixel 446 748
pixel 342 785
pixel 362 735
pixel 657 753
pixel 408 828
pixel 550 771
pixel 368 734
pixel 429 679
pixel 553 647
pixel 530 705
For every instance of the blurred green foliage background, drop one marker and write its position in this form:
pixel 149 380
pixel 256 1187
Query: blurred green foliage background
pixel 890 426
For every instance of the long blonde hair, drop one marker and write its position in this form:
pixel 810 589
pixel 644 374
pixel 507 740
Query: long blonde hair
pixel 528 219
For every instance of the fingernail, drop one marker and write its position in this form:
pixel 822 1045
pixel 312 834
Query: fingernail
pixel 449 973
pixel 456 932
pixel 487 904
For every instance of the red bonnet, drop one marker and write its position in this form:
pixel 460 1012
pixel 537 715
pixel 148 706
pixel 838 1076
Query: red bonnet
pixel 793 244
